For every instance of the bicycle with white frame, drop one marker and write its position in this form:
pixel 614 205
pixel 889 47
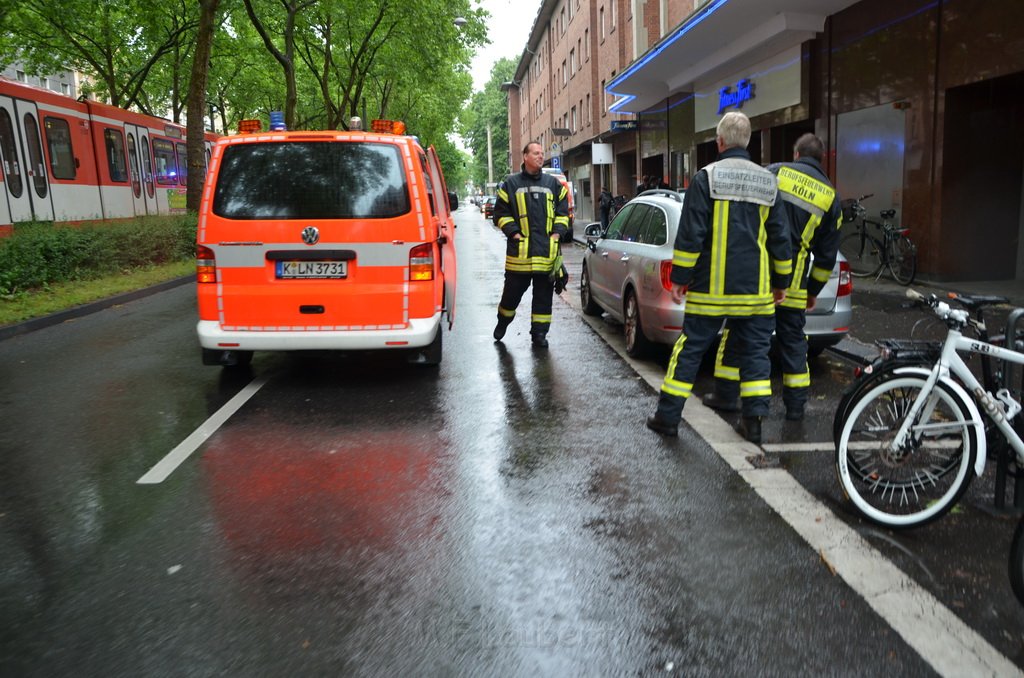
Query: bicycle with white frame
pixel 910 444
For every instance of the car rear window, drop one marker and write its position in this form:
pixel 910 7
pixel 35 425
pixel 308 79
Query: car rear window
pixel 311 180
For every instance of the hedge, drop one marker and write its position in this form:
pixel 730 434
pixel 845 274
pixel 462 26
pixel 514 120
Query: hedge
pixel 41 253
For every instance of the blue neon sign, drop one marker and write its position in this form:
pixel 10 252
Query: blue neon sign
pixel 744 92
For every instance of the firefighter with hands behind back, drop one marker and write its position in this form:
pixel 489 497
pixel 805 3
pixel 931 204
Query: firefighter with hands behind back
pixel 815 215
pixel 732 259
pixel 532 210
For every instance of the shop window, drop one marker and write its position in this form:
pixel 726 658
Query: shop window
pixel 58 143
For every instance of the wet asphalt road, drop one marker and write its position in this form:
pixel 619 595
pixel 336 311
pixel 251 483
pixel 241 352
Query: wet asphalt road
pixel 507 514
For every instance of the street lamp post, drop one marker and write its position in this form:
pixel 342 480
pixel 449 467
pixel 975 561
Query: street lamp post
pixel 490 159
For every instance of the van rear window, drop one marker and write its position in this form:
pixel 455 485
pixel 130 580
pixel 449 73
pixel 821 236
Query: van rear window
pixel 311 180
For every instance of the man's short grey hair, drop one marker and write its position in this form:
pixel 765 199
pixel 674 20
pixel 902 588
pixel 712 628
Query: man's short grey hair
pixel 734 129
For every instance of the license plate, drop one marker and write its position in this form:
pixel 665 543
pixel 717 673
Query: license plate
pixel 312 269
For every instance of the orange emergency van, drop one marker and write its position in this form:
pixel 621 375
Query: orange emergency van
pixel 324 240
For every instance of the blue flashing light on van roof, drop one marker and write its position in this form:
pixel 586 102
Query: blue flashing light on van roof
pixel 277 121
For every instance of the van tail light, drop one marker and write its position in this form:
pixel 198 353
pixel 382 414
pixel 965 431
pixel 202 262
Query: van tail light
pixel 666 275
pixel 206 265
pixel 845 280
pixel 421 262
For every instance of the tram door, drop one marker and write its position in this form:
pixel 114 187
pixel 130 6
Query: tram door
pixel 16 183
pixel 146 164
pixel 38 179
pixel 136 168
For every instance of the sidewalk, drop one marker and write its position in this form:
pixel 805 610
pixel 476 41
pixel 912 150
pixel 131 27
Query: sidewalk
pixel 1011 289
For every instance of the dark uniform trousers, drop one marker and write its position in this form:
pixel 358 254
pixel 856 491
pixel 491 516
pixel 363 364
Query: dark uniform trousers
pixel 699 332
pixel 792 351
pixel 516 285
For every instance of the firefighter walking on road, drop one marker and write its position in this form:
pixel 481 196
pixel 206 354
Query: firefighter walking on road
pixel 815 215
pixel 732 259
pixel 532 210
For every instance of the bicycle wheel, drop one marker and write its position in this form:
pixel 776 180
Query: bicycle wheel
pixel 903 260
pixel 863 253
pixel 927 475
pixel 880 371
pixel 1017 562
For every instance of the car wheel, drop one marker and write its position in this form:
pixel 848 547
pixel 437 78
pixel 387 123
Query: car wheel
pixel 637 343
pixel 590 307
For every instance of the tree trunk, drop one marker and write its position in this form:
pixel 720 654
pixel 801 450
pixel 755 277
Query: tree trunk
pixel 196 149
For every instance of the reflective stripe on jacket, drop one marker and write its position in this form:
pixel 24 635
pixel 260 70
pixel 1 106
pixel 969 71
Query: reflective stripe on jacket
pixel 815 215
pixel 733 243
pixel 534 206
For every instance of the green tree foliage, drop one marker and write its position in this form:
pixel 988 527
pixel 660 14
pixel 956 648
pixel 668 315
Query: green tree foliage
pixel 489 108
pixel 320 61
pixel 119 44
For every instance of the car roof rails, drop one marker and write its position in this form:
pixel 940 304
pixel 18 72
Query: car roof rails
pixel 667 192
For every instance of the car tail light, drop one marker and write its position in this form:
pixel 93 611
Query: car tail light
pixel 421 262
pixel 845 280
pixel 666 275
pixel 206 265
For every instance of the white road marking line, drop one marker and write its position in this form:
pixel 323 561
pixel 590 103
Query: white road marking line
pixel 942 639
pixel 166 466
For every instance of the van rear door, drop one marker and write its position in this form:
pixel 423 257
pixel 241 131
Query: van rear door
pixel 446 233
pixel 312 234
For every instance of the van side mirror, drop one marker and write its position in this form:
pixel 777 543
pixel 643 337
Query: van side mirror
pixel 453 201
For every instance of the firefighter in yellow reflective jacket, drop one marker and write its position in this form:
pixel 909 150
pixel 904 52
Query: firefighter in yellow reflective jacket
pixel 532 210
pixel 732 259
pixel 815 216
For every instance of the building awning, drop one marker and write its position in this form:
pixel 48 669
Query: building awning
pixel 715 41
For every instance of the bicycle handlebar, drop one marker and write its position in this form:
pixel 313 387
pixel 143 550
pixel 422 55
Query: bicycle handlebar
pixel 954 316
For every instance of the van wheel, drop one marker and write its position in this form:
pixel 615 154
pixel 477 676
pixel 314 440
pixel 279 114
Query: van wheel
pixel 429 355
pixel 227 359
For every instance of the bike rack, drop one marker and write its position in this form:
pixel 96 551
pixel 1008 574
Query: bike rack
pixel 1009 371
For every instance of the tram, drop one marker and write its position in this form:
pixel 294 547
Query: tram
pixel 80 160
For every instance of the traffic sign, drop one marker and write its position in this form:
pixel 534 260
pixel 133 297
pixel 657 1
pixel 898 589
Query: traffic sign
pixel 556 162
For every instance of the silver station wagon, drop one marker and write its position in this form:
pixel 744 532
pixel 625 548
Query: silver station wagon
pixel 626 275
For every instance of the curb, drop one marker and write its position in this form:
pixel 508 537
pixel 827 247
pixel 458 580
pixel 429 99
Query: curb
pixel 8 331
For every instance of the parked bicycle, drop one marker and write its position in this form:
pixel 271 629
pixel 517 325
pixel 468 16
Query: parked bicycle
pixel 869 254
pixel 907 449
pixel 895 353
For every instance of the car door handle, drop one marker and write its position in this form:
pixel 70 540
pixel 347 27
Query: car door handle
pixel 604 254
pixel 625 258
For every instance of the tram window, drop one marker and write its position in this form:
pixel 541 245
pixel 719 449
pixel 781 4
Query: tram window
pixel 133 161
pixel 147 164
pixel 35 155
pixel 114 143
pixel 12 171
pixel 166 166
pixel 182 164
pixel 58 141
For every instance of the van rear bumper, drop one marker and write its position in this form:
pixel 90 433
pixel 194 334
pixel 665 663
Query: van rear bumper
pixel 419 333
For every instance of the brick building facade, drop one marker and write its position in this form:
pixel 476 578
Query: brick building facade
pixel 905 93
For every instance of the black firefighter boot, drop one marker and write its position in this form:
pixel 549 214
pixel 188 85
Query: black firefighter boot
pixel 499 329
pixel 752 429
